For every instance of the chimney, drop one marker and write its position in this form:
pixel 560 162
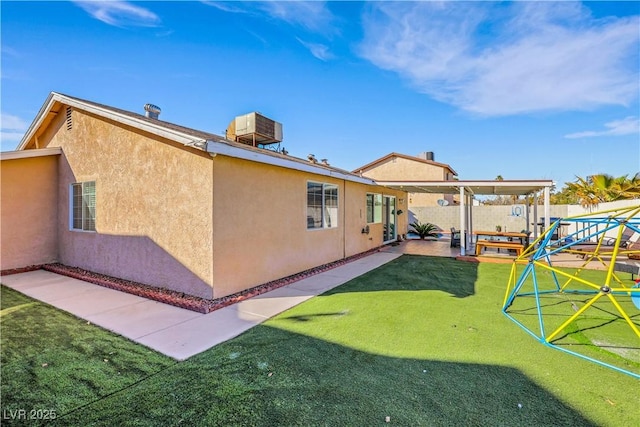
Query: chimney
pixel 427 155
pixel 152 111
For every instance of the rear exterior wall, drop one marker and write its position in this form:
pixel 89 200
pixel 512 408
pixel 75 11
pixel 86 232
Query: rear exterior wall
pixel 260 224
pixel 29 212
pixel 153 205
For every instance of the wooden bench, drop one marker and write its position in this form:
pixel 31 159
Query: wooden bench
pixel 515 246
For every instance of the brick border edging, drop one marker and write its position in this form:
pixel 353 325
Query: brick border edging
pixel 178 299
pixel 10 271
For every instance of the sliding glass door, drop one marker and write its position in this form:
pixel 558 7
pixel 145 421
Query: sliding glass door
pixel 389 218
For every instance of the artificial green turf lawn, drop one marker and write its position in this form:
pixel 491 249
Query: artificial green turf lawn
pixel 52 360
pixel 421 340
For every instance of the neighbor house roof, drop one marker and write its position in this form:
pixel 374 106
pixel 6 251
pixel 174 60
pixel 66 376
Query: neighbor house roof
pixel 200 140
pixel 390 156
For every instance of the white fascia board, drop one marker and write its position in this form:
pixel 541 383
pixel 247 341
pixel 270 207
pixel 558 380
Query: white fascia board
pixel 214 148
pixel 152 128
pixel 25 154
pixel 456 183
pixel 35 124
pixel 513 183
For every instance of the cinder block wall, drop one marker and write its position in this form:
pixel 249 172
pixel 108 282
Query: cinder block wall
pixel 510 217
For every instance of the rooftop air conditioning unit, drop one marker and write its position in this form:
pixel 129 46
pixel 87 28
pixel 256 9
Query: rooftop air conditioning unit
pixel 254 129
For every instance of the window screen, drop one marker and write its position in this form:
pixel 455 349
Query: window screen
pixel 83 206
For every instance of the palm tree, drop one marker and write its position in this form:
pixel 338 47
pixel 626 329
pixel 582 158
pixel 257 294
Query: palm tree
pixel 601 188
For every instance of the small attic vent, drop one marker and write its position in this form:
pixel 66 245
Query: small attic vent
pixel 68 119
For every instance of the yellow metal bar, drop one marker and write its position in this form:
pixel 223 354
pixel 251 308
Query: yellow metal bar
pixel 578 271
pixel 621 212
pixel 512 280
pixel 575 315
pixel 624 314
pixel 562 273
pixel 614 256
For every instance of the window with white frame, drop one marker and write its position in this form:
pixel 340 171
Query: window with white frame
pixel 322 205
pixel 374 208
pixel 83 206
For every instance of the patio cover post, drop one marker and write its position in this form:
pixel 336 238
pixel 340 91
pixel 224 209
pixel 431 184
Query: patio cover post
pixel 463 224
pixel 547 208
pixel 470 217
pixel 535 216
pixel 528 206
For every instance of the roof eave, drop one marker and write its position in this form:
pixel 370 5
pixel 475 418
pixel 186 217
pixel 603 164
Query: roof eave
pixel 218 147
pixel 25 154
pixel 155 129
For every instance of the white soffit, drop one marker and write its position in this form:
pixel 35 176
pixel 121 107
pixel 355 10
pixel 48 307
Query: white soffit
pixel 511 187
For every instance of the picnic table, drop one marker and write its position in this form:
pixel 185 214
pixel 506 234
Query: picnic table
pixel 501 240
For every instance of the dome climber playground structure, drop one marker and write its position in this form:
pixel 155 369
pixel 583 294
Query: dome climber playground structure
pixel 576 309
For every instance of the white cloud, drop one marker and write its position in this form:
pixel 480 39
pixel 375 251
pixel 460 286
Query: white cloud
pixel 311 15
pixel 10 137
pixel 224 6
pixel 120 13
pixel 12 129
pixel 11 122
pixel 496 59
pixel 627 126
pixel 318 50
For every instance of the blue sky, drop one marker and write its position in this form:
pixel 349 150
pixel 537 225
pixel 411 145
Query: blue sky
pixel 526 90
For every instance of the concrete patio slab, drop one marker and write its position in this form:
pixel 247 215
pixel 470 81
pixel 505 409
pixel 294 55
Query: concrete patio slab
pixel 137 320
pixel 47 287
pixel 173 331
pixel 271 303
pixel 199 334
pixel 95 301
pixel 318 284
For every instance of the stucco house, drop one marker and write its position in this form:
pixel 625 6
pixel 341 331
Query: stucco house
pixel 138 198
pixel 395 166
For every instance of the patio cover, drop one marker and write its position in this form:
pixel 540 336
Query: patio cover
pixel 468 189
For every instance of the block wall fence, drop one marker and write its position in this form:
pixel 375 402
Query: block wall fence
pixel 509 217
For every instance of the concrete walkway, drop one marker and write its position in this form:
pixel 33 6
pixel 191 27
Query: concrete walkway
pixel 177 332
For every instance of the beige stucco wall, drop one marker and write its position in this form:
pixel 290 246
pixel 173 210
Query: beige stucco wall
pixel 28 206
pixel 401 169
pixel 260 225
pixel 175 217
pixel 153 205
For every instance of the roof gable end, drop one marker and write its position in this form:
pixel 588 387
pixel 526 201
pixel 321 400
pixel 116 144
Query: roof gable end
pixel 395 155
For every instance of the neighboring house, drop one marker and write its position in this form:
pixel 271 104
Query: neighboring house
pixel 400 167
pixel 141 199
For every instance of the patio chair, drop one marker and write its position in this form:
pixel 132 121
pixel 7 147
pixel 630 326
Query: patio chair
pixel 634 250
pixel 627 234
pixel 455 237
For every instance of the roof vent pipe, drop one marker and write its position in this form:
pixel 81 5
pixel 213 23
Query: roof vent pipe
pixel 152 111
